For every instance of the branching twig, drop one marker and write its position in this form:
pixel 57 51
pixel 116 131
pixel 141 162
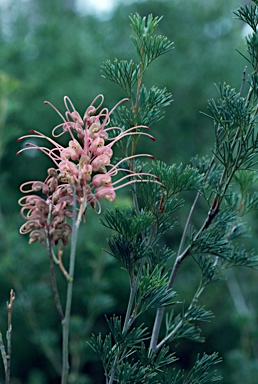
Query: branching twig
pixel 243 81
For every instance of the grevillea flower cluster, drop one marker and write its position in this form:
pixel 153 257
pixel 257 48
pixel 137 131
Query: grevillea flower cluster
pixel 83 172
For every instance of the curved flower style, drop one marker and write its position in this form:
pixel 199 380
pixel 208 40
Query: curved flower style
pixel 82 169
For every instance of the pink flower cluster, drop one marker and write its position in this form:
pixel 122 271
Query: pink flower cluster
pixel 82 171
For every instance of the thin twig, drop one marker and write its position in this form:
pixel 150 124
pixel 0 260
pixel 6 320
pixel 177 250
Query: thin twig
pixel 3 353
pixel 133 291
pixel 66 320
pixel 53 281
pixel 243 82
pixel 9 337
pixel 60 263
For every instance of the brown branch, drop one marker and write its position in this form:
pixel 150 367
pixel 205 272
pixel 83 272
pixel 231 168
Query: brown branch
pixel 61 265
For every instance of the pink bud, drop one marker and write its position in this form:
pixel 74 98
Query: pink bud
pixel 94 128
pixel 101 179
pixel 99 162
pixel 105 150
pixel 86 172
pixel 69 168
pixel 98 142
pixel 76 118
pixel 105 192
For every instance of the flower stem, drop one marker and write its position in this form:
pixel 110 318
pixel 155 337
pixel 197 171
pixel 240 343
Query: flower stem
pixel 66 320
pixel 53 280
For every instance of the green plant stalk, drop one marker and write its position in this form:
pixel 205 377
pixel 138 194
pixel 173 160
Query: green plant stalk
pixel 66 320
pixel 52 258
pixel 113 370
pixel 3 353
pixel 9 349
pixel 133 290
pixel 139 85
pixel 53 280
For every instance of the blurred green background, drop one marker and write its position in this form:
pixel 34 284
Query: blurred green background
pixel 49 49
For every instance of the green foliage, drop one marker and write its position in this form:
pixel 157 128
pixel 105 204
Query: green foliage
pixel 125 339
pixel 230 111
pixel 151 103
pixel 160 256
pixel 126 251
pixel 248 14
pixel 236 138
pixel 157 360
pixel 132 372
pixel 217 241
pixel 245 180
pixel 152 291
pixel 210 269
pixel 130 244
pixel 183 326
pixel 149 111
pixel 243 204
pixel 122 73
pixel 127 222
pixel 146 106
pixel 103 348
pixel 176 178
pixel 128 345
pixel 148 46
pixel 252 45
pixel 214 239
pixel 211 170
pixel 241 257
pixel 200 373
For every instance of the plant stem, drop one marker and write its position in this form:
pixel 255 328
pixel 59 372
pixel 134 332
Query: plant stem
pixel 8 357
pixel 113 370
pixel 54 285
pixel 66 320
pixel 133 290
pixel 9 338
pixel 3 353
pixel 52 269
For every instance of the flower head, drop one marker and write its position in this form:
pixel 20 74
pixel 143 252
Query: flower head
pixel 83 169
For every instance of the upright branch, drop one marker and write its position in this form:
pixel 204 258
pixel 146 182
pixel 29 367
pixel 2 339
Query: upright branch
pixel 6 353
pixel 66 319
